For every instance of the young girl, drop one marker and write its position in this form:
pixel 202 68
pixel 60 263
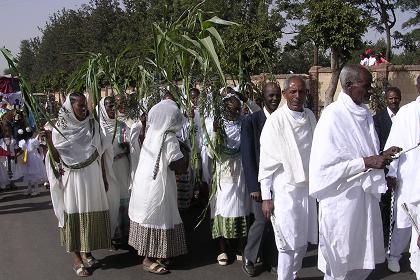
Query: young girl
pixel 230 205
pixel 10 164
pixel 33 167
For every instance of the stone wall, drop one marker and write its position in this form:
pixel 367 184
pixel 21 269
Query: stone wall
pixel 401 76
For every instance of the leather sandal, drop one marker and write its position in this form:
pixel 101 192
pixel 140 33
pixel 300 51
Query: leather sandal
pixel 155 268
pixel 90 262
pixel 81 270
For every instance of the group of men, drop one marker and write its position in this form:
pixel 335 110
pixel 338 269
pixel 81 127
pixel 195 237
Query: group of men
pixel 290 162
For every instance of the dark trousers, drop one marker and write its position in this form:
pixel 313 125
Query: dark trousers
pixel 261 238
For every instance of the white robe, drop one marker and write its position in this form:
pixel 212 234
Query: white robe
pixel 405 133
pixel 295 211
pixel 350 225
pixel 414 248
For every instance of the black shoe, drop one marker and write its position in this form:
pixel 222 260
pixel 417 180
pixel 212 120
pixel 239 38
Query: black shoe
pixel 248 267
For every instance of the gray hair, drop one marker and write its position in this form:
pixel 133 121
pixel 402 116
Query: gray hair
pixel 288 81
pixel 350 73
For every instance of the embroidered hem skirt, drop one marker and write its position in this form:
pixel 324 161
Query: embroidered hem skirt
pixel 86 232
pixel 157 243
pixel 232 227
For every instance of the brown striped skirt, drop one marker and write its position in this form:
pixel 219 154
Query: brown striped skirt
pixel 157 243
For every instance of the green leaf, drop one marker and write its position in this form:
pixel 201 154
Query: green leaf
pixel 209 46
pixel 216 35
pixel 220 21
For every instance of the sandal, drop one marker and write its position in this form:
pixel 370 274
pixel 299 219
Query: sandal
pixel 222 259
pixel 163 262
pixel 81 270
pixel 155 268
pixel 91 262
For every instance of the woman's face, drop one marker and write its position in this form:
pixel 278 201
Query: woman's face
pixel 79 107
pixel 110 107
pixel 232 109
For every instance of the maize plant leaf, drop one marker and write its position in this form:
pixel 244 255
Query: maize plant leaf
pixel 192 41
pixel 216 35
pixel 208 45
pixel 220 21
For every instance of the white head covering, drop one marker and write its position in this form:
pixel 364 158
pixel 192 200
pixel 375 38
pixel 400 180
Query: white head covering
pixel 75 141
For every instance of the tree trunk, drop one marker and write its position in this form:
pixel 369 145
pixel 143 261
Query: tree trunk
pixel 388 42
pixel 315 59
pixel 335 75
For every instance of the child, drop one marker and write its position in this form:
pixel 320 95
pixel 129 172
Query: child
pixel 8 143
pixel 34 170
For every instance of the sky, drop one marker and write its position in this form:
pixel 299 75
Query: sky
pixel 22 19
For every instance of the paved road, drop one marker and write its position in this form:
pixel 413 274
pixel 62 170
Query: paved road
pixel 30 250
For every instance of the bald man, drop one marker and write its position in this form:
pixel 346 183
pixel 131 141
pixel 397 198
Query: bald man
pixel 286 141
pixel 350 227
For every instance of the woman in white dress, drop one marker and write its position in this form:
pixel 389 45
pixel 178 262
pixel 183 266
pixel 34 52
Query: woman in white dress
pixel 117 168
pixel 77 188
pixel 156 228
pixel 230 206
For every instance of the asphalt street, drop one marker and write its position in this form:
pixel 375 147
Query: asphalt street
pixel 30 249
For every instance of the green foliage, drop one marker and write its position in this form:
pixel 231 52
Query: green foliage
pixel 334 24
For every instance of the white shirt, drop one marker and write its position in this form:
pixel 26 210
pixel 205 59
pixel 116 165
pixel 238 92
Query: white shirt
pixel 391 114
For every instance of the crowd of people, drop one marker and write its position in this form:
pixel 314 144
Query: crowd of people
pixel 275 179
pixel 370 58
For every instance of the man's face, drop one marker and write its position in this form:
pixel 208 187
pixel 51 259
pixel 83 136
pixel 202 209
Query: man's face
pixel 80 108
pixel 110 108
pixel 418 85
pixel 295 95
pixel 393 100
pixel 361 91
pixel 272 97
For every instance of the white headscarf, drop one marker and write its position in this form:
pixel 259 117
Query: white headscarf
pixel 75 141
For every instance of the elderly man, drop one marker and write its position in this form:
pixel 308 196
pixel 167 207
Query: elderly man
pixel 350 228
pixel 404 175
pixel 286 141
pixel 250 153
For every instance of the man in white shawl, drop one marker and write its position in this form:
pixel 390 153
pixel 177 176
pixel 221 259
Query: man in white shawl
pixel 116 167
pixel 286 141
pixel 404 173
pixel 77 188
pixel 156 228
pixel 344 144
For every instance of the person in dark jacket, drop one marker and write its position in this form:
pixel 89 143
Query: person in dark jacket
pixel 251 129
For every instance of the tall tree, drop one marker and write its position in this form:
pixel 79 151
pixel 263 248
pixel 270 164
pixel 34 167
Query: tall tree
pixel 382 13
pixel 331 24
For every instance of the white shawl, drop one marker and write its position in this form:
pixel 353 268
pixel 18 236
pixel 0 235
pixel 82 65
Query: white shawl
pixel 279 147
pixel 75 141
pixel 164 120
pixel 405 133
pixel 345 132
pixel 108 126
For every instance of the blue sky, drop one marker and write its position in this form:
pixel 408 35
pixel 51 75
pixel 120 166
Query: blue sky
pixel 21 19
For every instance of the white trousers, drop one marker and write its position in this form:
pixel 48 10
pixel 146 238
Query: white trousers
pixel 399 241
pixel 289 263
pixel 356 274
